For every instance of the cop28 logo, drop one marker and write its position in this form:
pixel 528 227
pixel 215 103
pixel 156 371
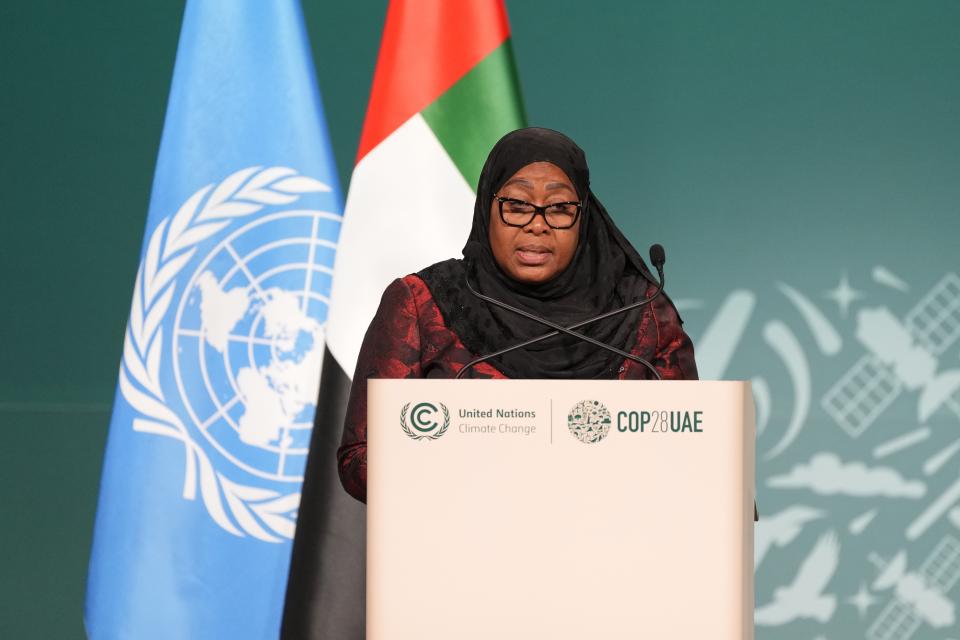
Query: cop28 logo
pixel 428 422
pixel 589 421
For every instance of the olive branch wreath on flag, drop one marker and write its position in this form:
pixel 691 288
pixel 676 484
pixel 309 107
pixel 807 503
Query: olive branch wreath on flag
pixel 171 246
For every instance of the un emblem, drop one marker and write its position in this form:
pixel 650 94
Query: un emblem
pixel 225 342
pixel 428 421
pixel 589 421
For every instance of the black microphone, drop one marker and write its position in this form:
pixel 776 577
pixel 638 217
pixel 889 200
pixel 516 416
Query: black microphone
pixel 657 258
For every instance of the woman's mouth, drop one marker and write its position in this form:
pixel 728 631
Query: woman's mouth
pixel 532 255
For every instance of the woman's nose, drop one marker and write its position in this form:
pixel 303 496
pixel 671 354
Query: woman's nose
pixel 538 225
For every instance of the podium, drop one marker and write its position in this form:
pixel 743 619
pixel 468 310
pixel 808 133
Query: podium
pixel 560 509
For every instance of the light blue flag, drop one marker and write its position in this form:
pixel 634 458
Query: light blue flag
pixel 223 348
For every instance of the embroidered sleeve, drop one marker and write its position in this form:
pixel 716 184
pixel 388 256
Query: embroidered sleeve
pixel 390 349
pixel 673 357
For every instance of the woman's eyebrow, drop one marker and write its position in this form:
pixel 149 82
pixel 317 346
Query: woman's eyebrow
pixel 521 181
pixel 551 186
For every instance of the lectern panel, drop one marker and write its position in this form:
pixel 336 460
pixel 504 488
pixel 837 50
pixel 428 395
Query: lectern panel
pixel 559 509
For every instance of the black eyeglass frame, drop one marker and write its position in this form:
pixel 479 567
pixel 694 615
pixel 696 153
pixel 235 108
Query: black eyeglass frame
pixel 537 210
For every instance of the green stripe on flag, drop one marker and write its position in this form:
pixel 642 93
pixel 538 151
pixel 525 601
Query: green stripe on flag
pixel 477 111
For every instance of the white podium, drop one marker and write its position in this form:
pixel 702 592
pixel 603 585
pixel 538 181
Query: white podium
pixel 559 509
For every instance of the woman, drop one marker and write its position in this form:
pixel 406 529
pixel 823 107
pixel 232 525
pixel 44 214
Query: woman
pixel 540 241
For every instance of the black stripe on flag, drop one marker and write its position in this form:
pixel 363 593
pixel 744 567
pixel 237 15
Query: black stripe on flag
pixel 325 590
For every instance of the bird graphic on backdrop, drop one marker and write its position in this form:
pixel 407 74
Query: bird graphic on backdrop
pixel 804 598
pixel 780 529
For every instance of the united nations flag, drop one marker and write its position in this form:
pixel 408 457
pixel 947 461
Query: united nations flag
pixel 224 343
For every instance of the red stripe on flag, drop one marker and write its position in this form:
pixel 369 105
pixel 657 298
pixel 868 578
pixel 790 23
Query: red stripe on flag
pixel 427 46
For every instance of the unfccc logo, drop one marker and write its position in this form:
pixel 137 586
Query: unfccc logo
pixel 427 420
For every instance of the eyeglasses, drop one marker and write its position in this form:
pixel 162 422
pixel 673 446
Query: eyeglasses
pixel 519 213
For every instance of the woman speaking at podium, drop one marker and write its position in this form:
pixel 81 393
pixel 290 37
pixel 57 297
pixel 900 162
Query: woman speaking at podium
pixel 541 246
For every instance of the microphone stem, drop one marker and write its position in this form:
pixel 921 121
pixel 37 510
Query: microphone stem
pixel 567 330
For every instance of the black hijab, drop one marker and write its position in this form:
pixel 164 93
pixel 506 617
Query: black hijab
pixel 606 272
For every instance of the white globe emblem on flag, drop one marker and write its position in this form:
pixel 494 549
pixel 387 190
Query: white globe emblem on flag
pixel 246 343
pixel 247 349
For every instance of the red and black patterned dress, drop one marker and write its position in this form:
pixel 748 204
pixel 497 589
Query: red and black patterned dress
pixel 408 338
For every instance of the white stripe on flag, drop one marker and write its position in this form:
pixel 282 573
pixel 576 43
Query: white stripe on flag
pixel 408 207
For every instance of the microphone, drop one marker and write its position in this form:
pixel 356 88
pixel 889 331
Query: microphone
pixel 657 258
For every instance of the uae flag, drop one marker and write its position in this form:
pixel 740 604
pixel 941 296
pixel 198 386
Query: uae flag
pixel 444 91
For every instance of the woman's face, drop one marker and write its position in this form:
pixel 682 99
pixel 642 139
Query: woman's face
pixel 535 252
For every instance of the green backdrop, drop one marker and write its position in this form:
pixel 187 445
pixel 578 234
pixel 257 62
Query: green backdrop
pixel 774 148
